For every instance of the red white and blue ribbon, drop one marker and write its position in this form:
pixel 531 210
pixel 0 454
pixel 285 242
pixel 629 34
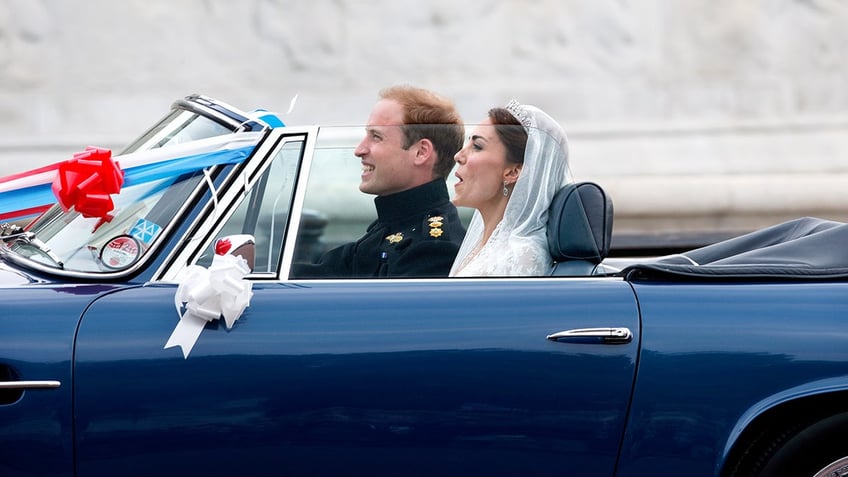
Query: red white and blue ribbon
pixel 29 193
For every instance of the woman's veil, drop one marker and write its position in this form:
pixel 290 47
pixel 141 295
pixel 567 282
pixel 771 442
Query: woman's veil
pixel 524 225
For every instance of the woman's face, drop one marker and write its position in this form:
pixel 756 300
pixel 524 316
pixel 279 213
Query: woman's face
pixel 481 169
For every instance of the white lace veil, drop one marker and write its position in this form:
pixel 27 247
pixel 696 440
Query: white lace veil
pixel 519 244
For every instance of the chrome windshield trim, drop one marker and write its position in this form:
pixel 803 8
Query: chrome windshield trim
pixel 201 105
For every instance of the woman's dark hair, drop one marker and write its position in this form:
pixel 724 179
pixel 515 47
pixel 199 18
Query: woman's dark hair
pixel 511 133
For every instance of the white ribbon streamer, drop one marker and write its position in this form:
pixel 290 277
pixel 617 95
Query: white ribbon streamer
pixel 208 294
pixel 209 182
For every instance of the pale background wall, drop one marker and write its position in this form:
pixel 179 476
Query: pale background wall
pixel 694 114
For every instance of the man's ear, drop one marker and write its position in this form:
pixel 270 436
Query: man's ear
pixel 424 152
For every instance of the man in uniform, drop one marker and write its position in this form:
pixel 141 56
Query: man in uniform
pixel 407 153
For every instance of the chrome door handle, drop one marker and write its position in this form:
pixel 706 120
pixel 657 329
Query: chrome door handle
pixel 594 335
pixel 29 384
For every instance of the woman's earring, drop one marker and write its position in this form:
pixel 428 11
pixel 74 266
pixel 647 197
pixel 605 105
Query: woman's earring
pixel 505 190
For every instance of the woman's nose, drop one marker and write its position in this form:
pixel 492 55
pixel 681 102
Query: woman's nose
pixel 459 156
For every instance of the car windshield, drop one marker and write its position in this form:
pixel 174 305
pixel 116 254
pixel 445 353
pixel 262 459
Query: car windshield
pixel 73 242
pixel 150 197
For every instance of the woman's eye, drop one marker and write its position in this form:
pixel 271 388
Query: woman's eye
pixel 476 147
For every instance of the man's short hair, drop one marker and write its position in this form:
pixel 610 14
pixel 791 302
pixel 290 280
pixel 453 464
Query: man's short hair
pixel 426 115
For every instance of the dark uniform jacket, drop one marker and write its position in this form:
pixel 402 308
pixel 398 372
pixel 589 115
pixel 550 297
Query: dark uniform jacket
pixel 417 234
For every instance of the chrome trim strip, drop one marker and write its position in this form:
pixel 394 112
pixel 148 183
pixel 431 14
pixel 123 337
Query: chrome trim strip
pixel 297 204
pixel 49 384
pixel 199 104
pixel 309 281
pixel 217 116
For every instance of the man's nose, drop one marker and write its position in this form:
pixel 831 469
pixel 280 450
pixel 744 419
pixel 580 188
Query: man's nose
pixel 360 150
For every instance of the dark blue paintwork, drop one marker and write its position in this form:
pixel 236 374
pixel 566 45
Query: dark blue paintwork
pixel 714 356
pixel 37 328
pixel 377 375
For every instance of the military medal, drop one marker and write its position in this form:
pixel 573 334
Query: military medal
pixel 394 238
pixel 435 226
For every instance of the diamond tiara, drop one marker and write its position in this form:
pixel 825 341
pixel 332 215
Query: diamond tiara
pixel 520 114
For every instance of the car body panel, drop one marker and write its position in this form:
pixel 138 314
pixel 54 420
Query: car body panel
pixel 37 329
pixel 381 376
pixel 743 347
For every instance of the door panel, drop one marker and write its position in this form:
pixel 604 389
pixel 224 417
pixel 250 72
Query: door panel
pixel 37 326
pixel 448 377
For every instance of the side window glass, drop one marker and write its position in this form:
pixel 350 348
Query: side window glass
pixel 264 212
pixel 335 211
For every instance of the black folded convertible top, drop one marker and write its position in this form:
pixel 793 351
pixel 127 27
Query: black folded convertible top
pixel 806 248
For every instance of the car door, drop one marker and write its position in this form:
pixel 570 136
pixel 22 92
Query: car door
pixel 364 377
pixel 37 327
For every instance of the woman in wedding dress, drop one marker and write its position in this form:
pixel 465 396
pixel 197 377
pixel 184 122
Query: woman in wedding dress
pixel 509 170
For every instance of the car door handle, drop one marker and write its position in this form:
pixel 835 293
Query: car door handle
pixel 593 335
pixel 29 384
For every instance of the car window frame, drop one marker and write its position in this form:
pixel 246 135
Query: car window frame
pixel 207 224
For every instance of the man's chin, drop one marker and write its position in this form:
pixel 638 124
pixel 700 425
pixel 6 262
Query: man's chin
pixel 366 188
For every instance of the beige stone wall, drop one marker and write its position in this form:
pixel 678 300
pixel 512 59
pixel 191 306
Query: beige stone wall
pixel 695 114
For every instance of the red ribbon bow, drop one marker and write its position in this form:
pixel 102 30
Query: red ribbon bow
pixel 86 182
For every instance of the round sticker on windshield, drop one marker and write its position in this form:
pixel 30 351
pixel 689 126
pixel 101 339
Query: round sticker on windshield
pixel 120 252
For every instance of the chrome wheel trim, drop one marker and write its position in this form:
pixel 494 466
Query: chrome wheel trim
pixel 837 468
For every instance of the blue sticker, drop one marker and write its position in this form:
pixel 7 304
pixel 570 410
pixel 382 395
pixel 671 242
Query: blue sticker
pixel 145 231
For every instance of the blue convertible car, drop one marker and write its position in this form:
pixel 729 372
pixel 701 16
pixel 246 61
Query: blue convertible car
pixel 149 327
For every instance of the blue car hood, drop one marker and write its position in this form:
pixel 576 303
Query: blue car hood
pixel 10 276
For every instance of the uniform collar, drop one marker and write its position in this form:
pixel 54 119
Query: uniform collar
pixel 412 202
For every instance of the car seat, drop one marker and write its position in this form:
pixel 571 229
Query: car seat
pixel 579 229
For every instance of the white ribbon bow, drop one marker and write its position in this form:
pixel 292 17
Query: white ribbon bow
pixel 209 294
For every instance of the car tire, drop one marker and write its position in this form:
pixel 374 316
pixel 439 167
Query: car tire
pixel 817 450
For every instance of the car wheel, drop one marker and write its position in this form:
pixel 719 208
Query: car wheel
pixel 818 450
pixel 838 468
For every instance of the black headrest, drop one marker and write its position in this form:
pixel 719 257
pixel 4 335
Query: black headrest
pixel 580 223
